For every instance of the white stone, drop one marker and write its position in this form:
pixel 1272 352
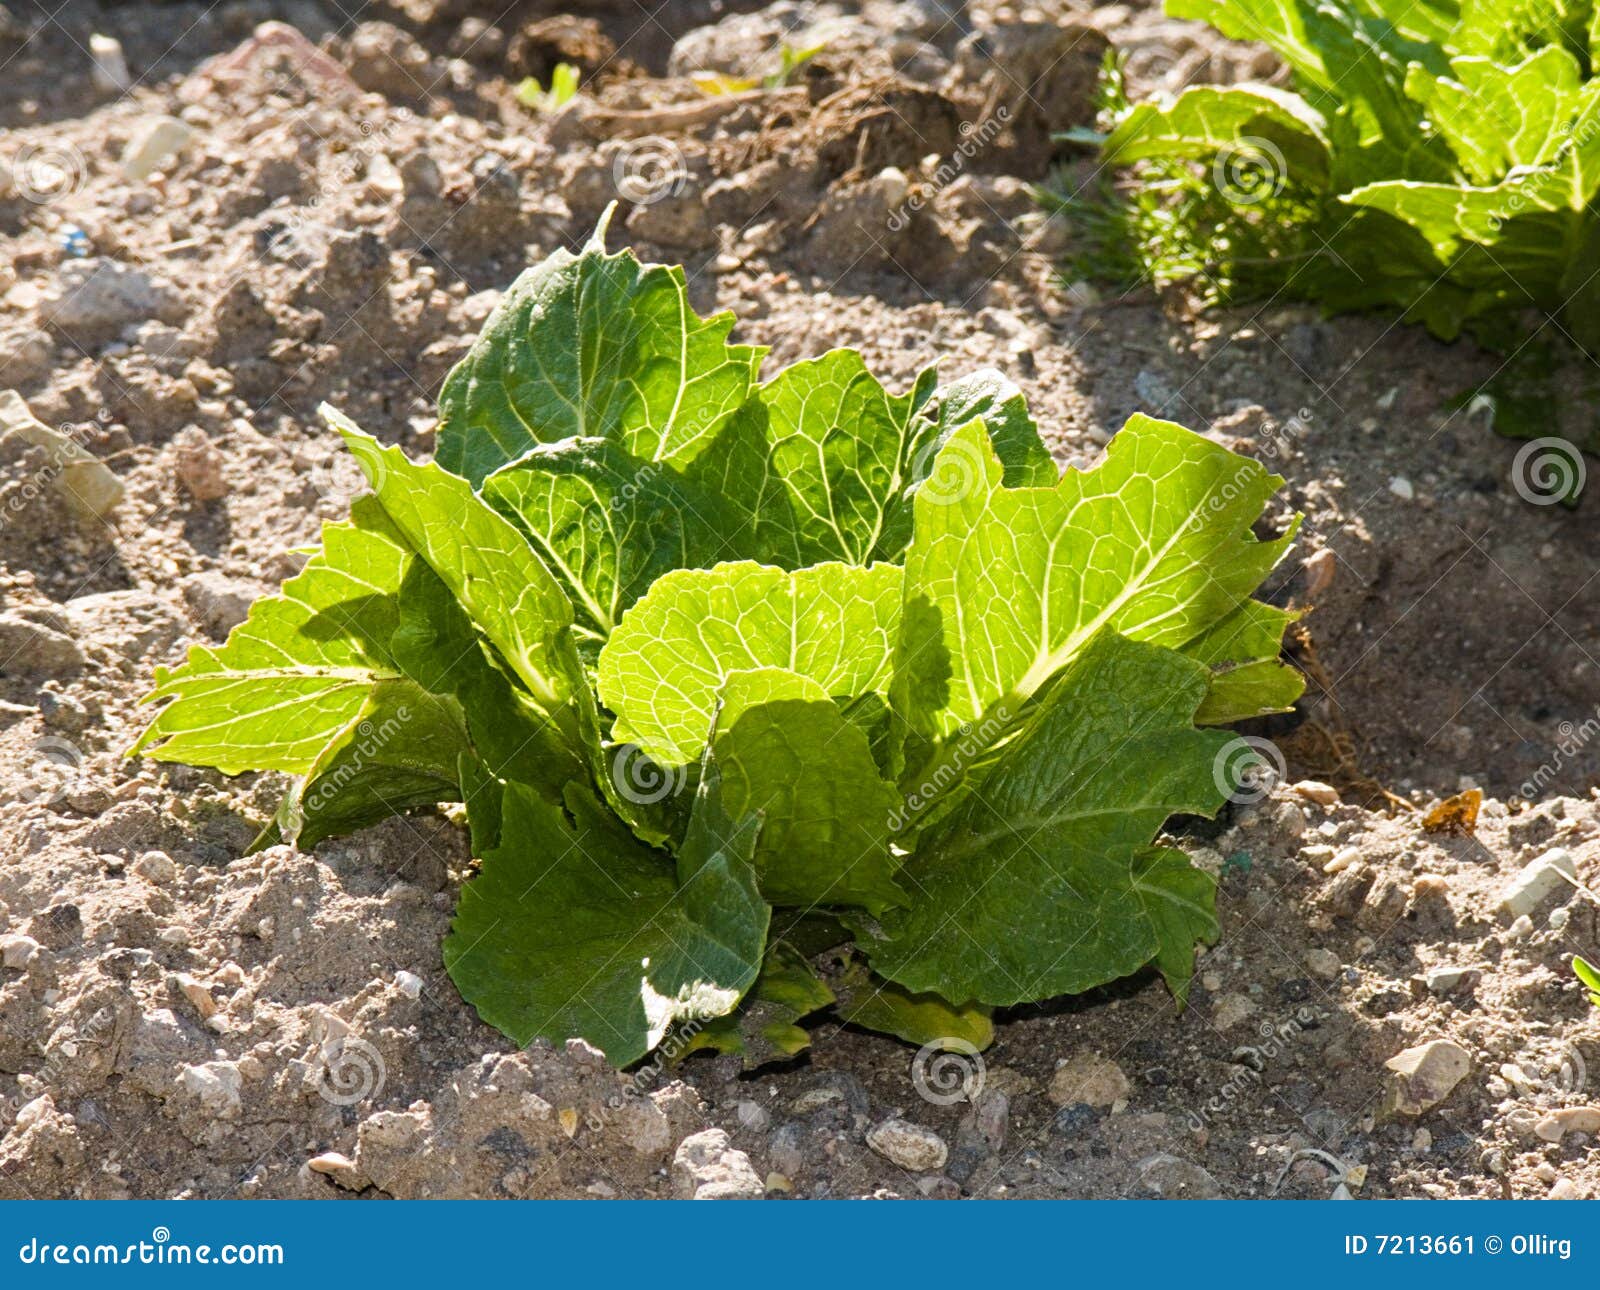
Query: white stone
pixel 396 1130
pixel 17 951
pixel 409 984
pixel 159 138
pixel 34 1111
pixel 1401 487
pixel 909 1145
pixel 1322 963
pixel 706 1167
pixel 1425 1075
pixel 110 72
pixel 94 299
pixel 1177 1179
pixel 156 867
pixel 198 995
pixel 1442 980
pixel 1538 880
pixel 1231 1009
pixel 216 1084
pixel 1571 1119
pixel 644 1126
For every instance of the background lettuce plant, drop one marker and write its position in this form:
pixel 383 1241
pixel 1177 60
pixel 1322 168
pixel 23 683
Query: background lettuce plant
pixel 1438 157
pixel 725 673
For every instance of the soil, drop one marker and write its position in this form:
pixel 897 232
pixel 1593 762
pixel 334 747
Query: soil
pixel 176 1020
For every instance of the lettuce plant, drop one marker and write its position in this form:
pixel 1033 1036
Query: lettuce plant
pixel 727 672
pixel 1438 156
pixel 1589 976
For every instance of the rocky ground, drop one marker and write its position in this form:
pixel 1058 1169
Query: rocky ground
pixel 236 220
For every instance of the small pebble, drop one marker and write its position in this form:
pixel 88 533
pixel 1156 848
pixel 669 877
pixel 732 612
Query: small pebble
pixel 1090 1078
pixel 1444 980
pixel 1322 963
pixel 155 141
pixel 110 70
pixel 156 867
pixel 17 951
pixel 908 1145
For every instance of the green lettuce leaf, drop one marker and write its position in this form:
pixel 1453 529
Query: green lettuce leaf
pixel 841 448
pixel 766 1027
pixel 665 665
pixel 1205 118
pixel 609 524
pixel 788 753
pixel 593 346
pixel 1046 881
pixel 1438 158
pixel 402 751
pixel 575 928
pixel 499 581
pixel 871 1002
pixel 989 396
pixel 1005 587
pixel 301 668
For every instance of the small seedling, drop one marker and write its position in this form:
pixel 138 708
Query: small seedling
pixel 1590 976
pixel 791 60
pixel 563 88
